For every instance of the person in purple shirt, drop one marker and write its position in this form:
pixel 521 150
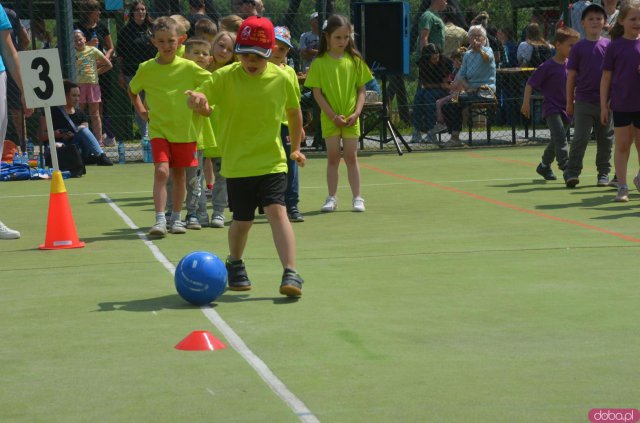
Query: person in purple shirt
pixel 584 71
pixel 620 89
pixel 550 78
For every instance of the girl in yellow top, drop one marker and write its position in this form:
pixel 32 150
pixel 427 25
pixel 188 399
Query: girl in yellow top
pixel 337 77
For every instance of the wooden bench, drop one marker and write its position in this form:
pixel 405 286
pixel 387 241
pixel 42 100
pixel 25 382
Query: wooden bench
pixel 478 108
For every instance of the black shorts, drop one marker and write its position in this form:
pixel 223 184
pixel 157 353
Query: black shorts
pixel 245 194
pixel 622 119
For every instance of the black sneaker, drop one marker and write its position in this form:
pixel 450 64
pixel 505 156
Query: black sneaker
pixel 237 274
pixel 571 181
pixel 546 172
pixel 103 160
pixel 614 182
pixel 295 215
pixel 291 285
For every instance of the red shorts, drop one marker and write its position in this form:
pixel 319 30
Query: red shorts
pixel 177 154
pixel 89 93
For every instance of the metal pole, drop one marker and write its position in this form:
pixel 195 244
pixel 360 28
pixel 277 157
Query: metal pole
pixel 52 139
pixel 64 18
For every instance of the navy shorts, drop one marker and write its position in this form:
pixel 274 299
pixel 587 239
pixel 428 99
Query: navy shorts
pixel 622 119
pixel 247 194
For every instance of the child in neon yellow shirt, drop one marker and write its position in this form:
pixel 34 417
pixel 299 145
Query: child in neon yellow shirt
pixel 279 58
pixel 173 134
pixel 197 50
pixel 337 77
pixel 251 97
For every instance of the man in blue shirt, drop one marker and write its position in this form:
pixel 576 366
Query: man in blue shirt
pixel 8 55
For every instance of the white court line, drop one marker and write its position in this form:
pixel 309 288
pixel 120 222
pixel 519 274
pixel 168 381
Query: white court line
pixel 276 385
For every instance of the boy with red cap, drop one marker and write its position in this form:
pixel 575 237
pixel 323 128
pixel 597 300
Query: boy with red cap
pixel 250 98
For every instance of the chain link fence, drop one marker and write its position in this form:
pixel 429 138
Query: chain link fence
pixel 413 99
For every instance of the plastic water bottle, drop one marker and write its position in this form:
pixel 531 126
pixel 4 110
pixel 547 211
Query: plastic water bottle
pixel 146 150
pixel 30 149
pixel 121 153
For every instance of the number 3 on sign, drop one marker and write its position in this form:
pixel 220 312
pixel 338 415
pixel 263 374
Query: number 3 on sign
pixel 41 78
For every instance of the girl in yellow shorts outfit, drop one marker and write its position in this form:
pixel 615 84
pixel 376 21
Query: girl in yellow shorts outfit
pixel 337 77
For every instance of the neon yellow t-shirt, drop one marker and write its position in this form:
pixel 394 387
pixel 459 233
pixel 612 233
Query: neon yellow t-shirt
pixel 164 85
pixel 87 66
pixel 291 73
pixel 339 80
pixel 250 112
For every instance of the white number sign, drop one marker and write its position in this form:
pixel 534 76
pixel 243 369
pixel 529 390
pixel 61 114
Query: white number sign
pixel 41 78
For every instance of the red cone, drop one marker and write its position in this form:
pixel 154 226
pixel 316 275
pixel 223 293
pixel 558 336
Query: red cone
pixel 61 229
pixel 200 340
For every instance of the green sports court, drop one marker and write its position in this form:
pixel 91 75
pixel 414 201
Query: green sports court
pixel 471 290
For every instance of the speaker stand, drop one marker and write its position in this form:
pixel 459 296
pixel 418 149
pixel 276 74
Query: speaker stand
pixel 385 123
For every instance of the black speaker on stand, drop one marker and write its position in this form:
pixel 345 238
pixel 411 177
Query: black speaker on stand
pixel 382 36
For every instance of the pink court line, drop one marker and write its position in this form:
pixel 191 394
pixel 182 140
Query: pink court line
pixel 503 204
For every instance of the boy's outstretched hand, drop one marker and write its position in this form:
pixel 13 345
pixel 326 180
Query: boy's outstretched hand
pixel 198 103
pixel 299 157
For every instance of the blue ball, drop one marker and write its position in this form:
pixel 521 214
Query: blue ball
pixel 200 277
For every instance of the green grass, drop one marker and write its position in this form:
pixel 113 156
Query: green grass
pixel 470 290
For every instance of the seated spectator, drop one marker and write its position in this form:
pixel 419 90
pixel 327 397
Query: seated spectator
pixel 535 49
pixel 478 69
pixel 492 40
pixel 433 71
pixel 456 60
pixel 71 127
pixel 454 36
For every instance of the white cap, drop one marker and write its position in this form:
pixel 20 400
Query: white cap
pixel 314 15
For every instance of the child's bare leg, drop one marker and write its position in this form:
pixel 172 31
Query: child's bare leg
pixel 350 152
pixel 624 138
pixel 179 188
pixel 283 236
pixel 96 121
pixel 208 171
pixel 333 163
pixel 439 104
pixel 160 177
pixel 237 236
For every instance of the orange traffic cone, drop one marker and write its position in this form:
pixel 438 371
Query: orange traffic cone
pixel 61 230
pixel 200 340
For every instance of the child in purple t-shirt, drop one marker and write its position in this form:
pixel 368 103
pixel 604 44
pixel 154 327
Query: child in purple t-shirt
pixel 550 78
pixel 620 89
pixel 584 71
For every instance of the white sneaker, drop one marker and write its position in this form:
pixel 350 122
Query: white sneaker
pixel 8 233
pixel 178 227
pixel 358 204
pixel 158 229
pixel 330 204
pixel 217 221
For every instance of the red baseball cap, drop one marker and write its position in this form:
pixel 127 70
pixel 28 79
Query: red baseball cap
pixel 255 35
